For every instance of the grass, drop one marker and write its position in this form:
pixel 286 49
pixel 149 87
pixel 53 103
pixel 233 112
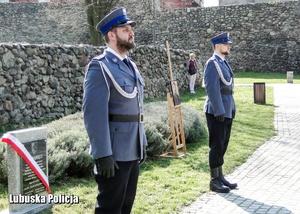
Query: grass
pixel 166 185
pixel 251 77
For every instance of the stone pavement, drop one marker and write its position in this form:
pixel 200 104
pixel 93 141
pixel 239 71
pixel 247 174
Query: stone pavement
pixel 269 181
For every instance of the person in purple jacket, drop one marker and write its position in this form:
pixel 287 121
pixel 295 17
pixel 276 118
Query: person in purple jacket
pixel 113 116
pixel 192 72
pixel 220 109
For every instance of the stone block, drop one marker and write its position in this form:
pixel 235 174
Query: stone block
pixel 26 192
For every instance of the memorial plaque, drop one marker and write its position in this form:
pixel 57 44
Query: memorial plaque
pixel 26 193
pixel 175 93
pixel 31 184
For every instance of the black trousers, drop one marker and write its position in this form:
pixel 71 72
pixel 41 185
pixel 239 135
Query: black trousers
pixel 116 195
pixel 219 134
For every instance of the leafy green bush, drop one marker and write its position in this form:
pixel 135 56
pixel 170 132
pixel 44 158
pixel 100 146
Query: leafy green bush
pixel 3 164
pixel 68 148
pixel 68 143
pixel 193 124
pixel 157 126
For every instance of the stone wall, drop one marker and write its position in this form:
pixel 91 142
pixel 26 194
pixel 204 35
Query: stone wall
pixel 49 23
pixel 39 82
pixel 229 2
pixel 265 35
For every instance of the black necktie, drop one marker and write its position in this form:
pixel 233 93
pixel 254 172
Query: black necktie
pixel 228 67
pixel 127 63
pixel 226 63
pixel 130 66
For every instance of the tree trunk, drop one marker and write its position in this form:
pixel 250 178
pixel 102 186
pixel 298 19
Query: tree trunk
pixel 96 10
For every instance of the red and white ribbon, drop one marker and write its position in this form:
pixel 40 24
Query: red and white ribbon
pixel 22 151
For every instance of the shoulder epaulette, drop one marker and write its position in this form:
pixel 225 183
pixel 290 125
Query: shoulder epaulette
pixel 99 57
pixel 210 59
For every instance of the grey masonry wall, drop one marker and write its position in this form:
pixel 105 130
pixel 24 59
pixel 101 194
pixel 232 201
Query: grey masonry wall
pixel 38 23
pixel 43 79
pixel 228 2
pixel 39 82
pixel 266 35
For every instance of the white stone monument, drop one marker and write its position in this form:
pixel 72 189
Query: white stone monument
pixel 27 160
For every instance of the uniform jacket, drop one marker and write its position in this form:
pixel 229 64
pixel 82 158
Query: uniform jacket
pixel 218 103
pixel 123 140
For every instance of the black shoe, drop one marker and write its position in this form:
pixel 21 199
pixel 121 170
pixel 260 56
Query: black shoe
pixel 227 183
pixel 224 181
pixel 217 186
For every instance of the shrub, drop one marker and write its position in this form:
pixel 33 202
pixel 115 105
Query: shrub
pixel 193 124
pixel 68 148
pixel 157 126
pixel 68 143
pixel 3 164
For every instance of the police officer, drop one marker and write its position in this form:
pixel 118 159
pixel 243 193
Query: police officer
pixel 113 116
pixel 220 109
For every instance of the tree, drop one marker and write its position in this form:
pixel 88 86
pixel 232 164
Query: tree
pixel 96 10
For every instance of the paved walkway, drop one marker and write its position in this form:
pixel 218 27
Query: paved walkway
pixel 269 181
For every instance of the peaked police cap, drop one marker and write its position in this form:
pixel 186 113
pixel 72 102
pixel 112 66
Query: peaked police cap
pixel 221 38
pixel 116 18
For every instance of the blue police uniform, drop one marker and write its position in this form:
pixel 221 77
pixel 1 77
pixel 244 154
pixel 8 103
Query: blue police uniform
pixel 124 140
pixel 113 117
pixel 220 110
pixel 219 93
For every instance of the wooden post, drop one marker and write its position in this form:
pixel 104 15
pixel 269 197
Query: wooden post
pixel 169 61
pixel 176 138
pixel 259 89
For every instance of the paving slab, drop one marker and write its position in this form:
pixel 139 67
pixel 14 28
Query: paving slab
pixel 269 181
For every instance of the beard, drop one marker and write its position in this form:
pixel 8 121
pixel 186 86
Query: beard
pixel 225 53
pixel 124 45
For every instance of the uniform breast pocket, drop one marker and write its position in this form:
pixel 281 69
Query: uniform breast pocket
pixel 126 85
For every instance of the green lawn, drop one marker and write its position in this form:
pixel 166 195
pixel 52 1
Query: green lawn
pixel 166 185
pixel 251 77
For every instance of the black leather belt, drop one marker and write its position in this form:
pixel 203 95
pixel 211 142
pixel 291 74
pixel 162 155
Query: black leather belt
pixel 226 91
pixel 126 118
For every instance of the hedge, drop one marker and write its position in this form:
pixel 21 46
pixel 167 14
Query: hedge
pixel 68 144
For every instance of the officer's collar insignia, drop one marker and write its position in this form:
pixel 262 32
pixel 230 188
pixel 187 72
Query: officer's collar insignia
pixel 115 60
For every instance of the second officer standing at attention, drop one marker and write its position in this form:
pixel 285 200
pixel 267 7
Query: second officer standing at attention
pixel 113 116
pixel 220 109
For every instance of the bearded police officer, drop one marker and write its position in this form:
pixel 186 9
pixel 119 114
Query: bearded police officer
pixel 113 116
pixel 220 109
